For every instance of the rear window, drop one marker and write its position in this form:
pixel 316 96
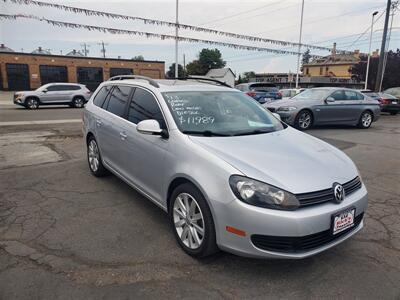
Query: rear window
pixel 101 95
pixel 265 89
pixel 118 100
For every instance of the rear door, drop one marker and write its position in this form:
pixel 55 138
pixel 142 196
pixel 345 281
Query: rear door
pixel 111 127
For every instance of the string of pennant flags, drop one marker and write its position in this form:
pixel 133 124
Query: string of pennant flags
pixel 146 34
pixel 90 12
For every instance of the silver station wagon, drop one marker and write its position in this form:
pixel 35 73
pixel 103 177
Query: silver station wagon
pixel 230 174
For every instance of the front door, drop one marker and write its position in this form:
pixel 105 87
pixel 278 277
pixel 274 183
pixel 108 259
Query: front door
pixel 334 112
pixel 145 155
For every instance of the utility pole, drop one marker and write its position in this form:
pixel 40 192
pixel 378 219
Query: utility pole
pixel 299 49
pixel 393 7
pixel 369 51
pixel 184 65
pixel 103 48
pixel 383 47
pixel 176 40
pixel 85 48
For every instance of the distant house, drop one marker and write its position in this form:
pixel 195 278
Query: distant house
pixel 75 53
pixel 40 50
pixel 3 48
pixel 224 74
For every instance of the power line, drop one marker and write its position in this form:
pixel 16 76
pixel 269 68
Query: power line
pixel 90 12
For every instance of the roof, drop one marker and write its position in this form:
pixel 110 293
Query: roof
pixel 84 57
pixel 172 85
pixel 74 53
pixel 219 73
pixel 41 51
pixel 337 59
pixel 3 48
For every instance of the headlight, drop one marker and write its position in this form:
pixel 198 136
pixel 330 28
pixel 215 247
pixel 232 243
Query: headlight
pixel 287 108
pixel 261 194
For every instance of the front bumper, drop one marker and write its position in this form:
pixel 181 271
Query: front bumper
pixel 19 100
pixel 268 222
pixel 287 117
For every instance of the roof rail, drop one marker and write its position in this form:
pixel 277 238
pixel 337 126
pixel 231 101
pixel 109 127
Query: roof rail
pixel 122 77
pixel 204 79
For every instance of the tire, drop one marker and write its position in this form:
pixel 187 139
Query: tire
pixel 304 120
pixel 393 113
pixel 366 119
pixel 32 103
pixel 94 158
pixel 78 102
pixel 188 231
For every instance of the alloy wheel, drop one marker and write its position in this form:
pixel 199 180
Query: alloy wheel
pixel 32 103
pixel 78 102
pixel 94 157
pixel 305 120
pixel 366 119
pixel 188 221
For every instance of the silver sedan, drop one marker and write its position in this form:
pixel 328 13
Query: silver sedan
pixel 327 106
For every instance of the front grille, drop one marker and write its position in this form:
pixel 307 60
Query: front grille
pixel 327 195
pixel 271 109
pixel 292 244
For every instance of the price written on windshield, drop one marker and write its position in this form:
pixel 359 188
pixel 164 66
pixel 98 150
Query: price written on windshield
pixel 196 120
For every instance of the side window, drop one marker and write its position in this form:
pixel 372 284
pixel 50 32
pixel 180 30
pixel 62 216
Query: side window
pixel 360 96
pixel 118 100
pixel 338 95
pixel 143 107
pixel 351 95
pixel 101 95
pixel 52 88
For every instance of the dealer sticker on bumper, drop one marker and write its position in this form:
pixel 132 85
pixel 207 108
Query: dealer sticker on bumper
pixel 343 220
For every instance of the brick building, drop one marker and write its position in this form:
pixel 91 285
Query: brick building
pixel 23 71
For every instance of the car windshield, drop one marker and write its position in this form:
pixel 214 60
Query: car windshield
pixel 315 94
pixel 219 114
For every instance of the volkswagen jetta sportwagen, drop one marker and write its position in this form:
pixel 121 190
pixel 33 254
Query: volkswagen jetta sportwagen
pixel 230 174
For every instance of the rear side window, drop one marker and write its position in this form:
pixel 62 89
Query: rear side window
pixel 352 95
pixel 144 107
pixel 101 95
pixel 118 100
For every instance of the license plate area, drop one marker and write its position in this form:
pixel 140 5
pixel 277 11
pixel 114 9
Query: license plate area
pixel 343 220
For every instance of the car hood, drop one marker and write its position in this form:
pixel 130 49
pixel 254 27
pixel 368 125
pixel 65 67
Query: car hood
pixel 289 159
pixel 27 92
pixel 283 102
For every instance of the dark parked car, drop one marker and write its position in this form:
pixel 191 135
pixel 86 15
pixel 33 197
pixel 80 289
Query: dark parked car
pixel 394 91
pixel 262 92
pixel 387 102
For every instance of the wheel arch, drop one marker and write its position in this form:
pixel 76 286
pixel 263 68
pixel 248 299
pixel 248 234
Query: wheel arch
pixel 89 135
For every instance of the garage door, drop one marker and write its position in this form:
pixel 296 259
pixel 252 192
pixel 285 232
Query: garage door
pixel 91 77
pixel 18 77
pixel 50 74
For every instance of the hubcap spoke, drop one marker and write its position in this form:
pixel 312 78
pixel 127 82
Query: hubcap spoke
pixel 188 220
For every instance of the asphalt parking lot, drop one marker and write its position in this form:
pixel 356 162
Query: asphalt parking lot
pixel 65 234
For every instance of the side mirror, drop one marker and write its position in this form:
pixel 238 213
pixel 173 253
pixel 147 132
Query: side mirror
pixel 330 100
pixel 45 91
pixel 277 116
pixel 151 127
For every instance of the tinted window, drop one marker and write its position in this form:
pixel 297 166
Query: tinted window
pixel 68 87
pixel 338 95
pixel 118 99
pixel 52 88
pixel 143 107
pixel 352 95
pixel 101 95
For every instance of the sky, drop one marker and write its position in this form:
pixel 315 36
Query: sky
pixel 325 22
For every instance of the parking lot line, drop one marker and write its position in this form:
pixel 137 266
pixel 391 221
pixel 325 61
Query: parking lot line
pixel 40 122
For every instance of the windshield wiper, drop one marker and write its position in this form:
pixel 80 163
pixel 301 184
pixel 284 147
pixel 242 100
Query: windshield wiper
pixel 205 133
pixel 255 131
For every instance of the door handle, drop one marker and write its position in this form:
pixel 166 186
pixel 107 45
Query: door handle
pixel 123 136
pixel 98 123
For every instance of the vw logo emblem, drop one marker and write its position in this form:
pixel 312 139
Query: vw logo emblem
pixel 338 192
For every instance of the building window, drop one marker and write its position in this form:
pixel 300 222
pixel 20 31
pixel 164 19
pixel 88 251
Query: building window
pixel 91 77
pixel 307 71
pixel 321 70
pixel 120 71
pixel 18 77
pixel 49 74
